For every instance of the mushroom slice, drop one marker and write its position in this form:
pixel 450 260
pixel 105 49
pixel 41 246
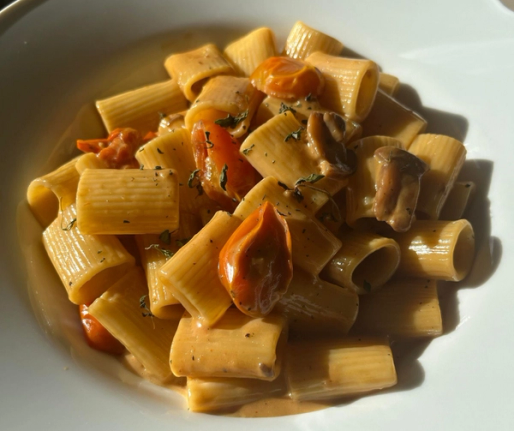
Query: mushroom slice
pixel 398 179
pixel 326 134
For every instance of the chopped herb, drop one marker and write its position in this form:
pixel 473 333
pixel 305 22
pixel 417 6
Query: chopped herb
pixel 162 115
pixel 298 194
pixel 99 251
pixel 70 225
pixel 141 167
pixel 142 304
pixel 192 178
pixel 298 104
pixel 231 121
pixel 223 177
pixel 284 186
pixel 158 168
pixel 312 178
pixel 165 237
pixel 167 253
pixel 296 135
pixel 103 259
pixel 247 150
pixel 141 149
pixel 366 286
pixel 207 135
pixel 159 151
pixel 126 221
pixel 285 108
pixel 309 98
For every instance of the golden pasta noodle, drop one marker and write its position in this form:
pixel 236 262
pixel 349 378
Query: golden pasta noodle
pixel 191 275
pixel 86 264
pixel 141 109
pixel 52 192
pixel 247 53
pixel 403 308
pixel 215 351
pixel 364 262
pixel 226 98
pixel 129 201
pixel 440 250
pixel 304 41
pixel 389 84
pixel 327 369
pixel 89 161
pixel 350 85
pixel 390 118
pixel 445 157
pixel 316 307
pixel 193 68
pixel 122 310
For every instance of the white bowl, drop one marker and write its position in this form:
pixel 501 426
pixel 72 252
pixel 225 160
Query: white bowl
pixel 456 59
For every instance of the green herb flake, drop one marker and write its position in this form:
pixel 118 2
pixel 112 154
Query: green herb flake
pixel 158 168
pixel 192 178
pixel 162 115
pixel 231 121
pixel 167 253
pixel 296 135
pixel 142 304
pixel 70 225
pixel 182 242
pixel 159 151
pixel 126 221
pixel 207 141
pixel 312 178
pixel 247 150
pixel 285 108
pixel 224 177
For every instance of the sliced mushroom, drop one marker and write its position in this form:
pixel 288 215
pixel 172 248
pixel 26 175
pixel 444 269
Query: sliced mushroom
pixel 398 181
pixel 326 134
pixel 171 122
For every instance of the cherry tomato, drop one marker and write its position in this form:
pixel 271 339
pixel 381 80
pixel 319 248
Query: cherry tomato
pixel 118 149
pixel 287 78
pixel 226 176
pixel 255 264
pixel 96 335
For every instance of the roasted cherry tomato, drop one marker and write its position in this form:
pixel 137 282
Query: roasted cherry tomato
pixel 225 175
pixel 287 78
pixel 255 265
pixel 96 335
pixel 118 149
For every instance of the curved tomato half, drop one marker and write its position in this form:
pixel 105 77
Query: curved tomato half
pixel 255 264
pixel 287 78
pixel 96 335
pixel 226 176
pixel 118 149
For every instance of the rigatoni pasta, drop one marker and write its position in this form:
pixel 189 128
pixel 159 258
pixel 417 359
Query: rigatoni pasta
pixel 236 231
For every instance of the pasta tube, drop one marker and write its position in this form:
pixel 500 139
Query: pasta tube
pixel 226 98
pixel 129 201
pixel 173 151
pixel 360 193
pixel 142 109
pixel 325 369
pixel 458 200
pixel 350 85
pixel 193 68
pixel 247 53
pixel 89 161
pixel 53 191
pixel 122 311
pixel 389 84
pixel 313 244
pixel 364 262
pixel 440 250
pixel 390 118
pixel 403 308
pixel 214 393
pixel 86 264
pixel 315 307
pixel 445 156
pixel 237 346
pixel 304 41
pixel 191 275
